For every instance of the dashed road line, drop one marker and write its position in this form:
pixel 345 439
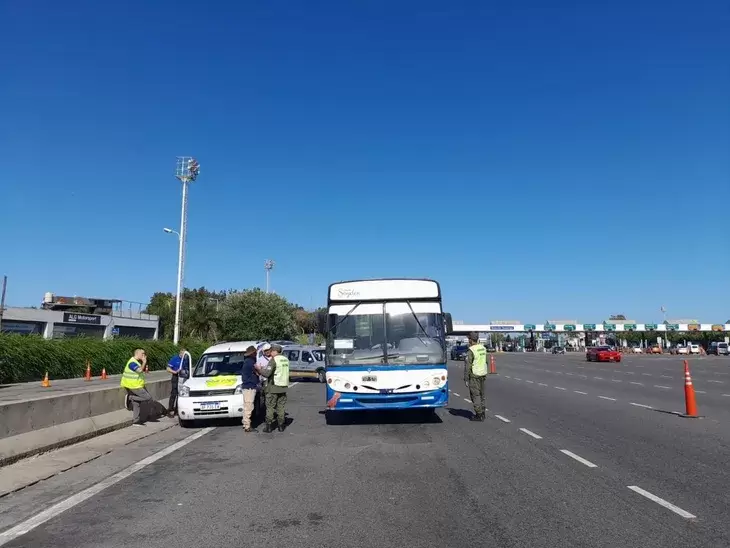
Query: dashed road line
pixel 572 455
pixel 720 382
pixel 579 392
pixel 542 384
pixel 641 405
pixel 629 372
pixel 661 502
pixel 530 433
pixel 517 379
pixel 639 383
pixel 467 400
pixel 666 376
pixel 616 380
pixel 700 392
pixel 457 395
pixel 599 378
pixel 531 382
pixel 607 398
pixel 559 387
pixel 726 395
pixel 571 374
pixel 507 377
pixel 660 386
pixel 503 419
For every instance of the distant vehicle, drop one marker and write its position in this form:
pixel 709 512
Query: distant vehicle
pixel 306 361
pixel 558 350
pixel 654 349
pixel 637 350
pixel 459 352
pixel 694 348
pixel 214 389
pixel 682 350
pixel 602 354
pixel 718 349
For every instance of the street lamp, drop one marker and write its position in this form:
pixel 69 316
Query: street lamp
pixel 186 171
pixel 268 266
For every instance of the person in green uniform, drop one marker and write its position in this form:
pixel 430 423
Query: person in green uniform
pixel 277 383
pixel 475 373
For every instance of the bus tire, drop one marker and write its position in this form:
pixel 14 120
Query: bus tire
pixel 184 424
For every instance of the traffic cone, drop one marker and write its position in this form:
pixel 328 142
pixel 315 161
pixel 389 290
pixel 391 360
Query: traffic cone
pixel 46 383
pixel 689 393
pixel 103 374
pixel 87 375
pixel 492 366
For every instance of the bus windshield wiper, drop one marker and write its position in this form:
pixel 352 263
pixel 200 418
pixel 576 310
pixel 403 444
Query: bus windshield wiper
pixel 419 325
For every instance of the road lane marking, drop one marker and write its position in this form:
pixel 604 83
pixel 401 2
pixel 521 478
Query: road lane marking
pixel 530 433
pixel 713 380
pixel 599 378
pixel 661 502
pixel 467 400
pixel 517 379
pixel 700 392
pixel 559 387
pixel 588 463
pixel 579 392
pixel 641 405
pixel 503 419
pixel 569 374
pixel 666 376
pixel 531 382
pixel 42 517
pixel 660 386
pixel 457 395
pixel 616 380
pixel 507 377
pixel 607 398
pixel 629 372
pixel 639 383
pixel 647 374
pixel 542 384
pixel 293 384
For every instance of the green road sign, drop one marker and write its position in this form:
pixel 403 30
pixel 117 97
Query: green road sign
pixel 609 326
pixel 530 327
pixel 549 326
pixel 650 326
pixel 672 326
pixel 569 327
pixel 629 326
pixel 589 326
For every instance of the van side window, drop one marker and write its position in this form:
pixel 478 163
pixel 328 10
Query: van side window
pixel 293 355
pixel 307 357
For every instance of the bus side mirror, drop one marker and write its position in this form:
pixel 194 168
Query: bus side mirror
pixel 449 323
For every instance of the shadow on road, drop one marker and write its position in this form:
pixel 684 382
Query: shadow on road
pixel 396 416
pixel 463 413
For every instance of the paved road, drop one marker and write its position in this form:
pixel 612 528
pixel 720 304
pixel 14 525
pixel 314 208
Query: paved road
pixel 549 467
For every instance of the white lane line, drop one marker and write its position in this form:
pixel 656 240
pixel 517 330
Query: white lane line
pixel 641 405
pixel 629 372
pixel 530 433
pixel 503 419
pixel 507 377
pixel 517 379
pixel 607 398
pixel 559 387
pixel 531 382
pixel 661 502
pixel 647 374
pixel 569 374
pixel 542 384
pixel 579 392
pixel 293 384
pixel 457 395
pixel 700 392
pixel 666 376
pixel 588 463
pixel 467 400
pixel 616 380
pixel 639 383
pixel 74 500
pixel 719 382
pixel 660 386
pixel 599 378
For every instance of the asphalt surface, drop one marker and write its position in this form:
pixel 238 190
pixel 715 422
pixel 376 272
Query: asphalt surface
pixel 552 466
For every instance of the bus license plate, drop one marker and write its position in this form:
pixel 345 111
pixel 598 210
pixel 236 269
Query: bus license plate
pixel 369 378
pixel 210 406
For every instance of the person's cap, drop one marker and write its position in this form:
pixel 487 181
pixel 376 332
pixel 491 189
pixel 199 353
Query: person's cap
pixel 250 351
pixel 264 347
pixel 276 348
pixel 473 336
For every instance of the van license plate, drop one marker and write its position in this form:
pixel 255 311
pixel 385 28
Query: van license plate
pixel 210 406
pixel 369 378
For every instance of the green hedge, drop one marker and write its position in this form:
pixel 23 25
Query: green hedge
pixel 27 358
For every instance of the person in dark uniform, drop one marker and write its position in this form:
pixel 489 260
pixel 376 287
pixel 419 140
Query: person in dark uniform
pixel 475 373
pixel 174 367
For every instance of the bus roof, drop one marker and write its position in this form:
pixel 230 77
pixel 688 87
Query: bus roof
pixel 384 289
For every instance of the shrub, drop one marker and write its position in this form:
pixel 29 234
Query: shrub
pixel 27 358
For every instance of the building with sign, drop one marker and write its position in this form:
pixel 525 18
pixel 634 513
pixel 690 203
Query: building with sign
pixel 64 317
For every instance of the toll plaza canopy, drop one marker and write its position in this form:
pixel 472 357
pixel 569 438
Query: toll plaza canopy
pixel 592 327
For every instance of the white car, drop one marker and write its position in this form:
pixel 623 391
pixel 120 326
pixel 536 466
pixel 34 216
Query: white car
pixel 637 350
pixel 683 350
pixel 214 389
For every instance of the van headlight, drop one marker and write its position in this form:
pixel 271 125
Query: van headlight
pixel 184 391
pixel 239 389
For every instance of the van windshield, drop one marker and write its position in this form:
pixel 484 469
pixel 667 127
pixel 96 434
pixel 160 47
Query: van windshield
pixel 222 363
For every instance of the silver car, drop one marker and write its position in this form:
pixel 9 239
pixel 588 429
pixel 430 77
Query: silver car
pixel 305 361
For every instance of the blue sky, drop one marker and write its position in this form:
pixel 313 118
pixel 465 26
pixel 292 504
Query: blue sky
pixel 569 161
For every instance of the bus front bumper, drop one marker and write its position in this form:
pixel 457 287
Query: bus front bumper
pixel 353 401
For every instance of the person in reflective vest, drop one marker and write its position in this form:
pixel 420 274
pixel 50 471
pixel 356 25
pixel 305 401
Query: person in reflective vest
pixel 133 382
pixel 475 373
pixel 277 375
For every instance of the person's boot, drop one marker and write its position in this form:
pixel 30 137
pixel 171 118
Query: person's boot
pixel 482 416
pixel 281 426
pixel 267 428
pixel 475 417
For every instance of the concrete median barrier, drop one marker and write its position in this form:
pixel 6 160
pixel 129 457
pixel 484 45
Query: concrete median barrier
pixel 33 421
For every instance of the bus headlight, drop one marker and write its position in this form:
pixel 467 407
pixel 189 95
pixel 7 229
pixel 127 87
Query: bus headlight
pixel 425 384
pixel 436 381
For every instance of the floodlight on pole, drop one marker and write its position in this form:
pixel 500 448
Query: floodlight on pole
pixel 186 171
pixel 268 266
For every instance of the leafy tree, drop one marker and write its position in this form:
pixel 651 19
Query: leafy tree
pixel 253 314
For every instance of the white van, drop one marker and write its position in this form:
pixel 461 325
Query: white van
pixel 213 390
pixel 305 361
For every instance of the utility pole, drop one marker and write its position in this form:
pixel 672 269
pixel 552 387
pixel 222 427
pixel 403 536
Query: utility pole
pixel 2 301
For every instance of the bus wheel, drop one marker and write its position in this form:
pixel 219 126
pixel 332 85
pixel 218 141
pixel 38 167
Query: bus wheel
pixel 322 376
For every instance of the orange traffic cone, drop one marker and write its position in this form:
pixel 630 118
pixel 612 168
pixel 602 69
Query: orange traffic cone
pixel 689 393
pixel 87 375
pixel 46 383
pixel 492 366
pixel 103 374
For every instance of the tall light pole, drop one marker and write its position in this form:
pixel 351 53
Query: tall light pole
pixel 268 266
pixel 186 172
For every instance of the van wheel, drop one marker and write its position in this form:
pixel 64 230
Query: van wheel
pixel 322 376
pixel 184 423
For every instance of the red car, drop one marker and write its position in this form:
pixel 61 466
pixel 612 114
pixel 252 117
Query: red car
pixel 602 354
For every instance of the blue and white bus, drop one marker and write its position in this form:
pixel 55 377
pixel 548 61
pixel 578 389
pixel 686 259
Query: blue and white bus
pixel 386 345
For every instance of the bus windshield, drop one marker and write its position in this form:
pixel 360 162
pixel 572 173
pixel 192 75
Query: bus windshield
pixel 396 333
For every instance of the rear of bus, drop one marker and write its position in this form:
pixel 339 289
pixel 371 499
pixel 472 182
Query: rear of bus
pixel 386 345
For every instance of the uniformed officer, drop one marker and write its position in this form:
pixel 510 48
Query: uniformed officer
pixel 277 383
pixel 134 383
pixel 475 373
